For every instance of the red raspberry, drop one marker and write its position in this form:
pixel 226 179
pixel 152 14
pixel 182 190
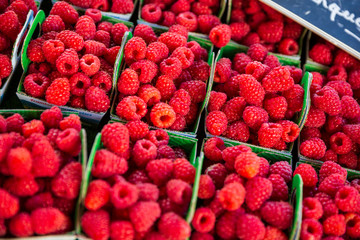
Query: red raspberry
pixel 226 224
pixel 348 160
pixel 254 117
pixel 107 164
pixel 34 51
pixel 316 118
pixel 162 115
pixel 121 229
pixel 55 219
pixel 249 226
pixel 6 142
pixel 216 122
pixel 96 100
pixel 280 189
pixel 138 176
pixel 135 50
pixel 251 39
pixel 53 23
pixel 72 121
pixel 10 204
pixel 213 149
pixel 313 148
pixel 171 67
pixel 218 174
pixel 311 228
pixel 351 130
pixel 89 64
pixel 179 29
pixel 110 56
pixel 327 99
pixel 79 83
pixel 95 14
pixel 257 70
pixel 321 53
pixel 232 196
pixel 158 137
pixel 34 126
pixel 52 49
pixel 36 84
pixel 200 9
pixel 202 236
pixel 105 26
pixel 102 37
pixel 71 39
pixel 146 70
pixel 335 225
pixel 67 13
pixel 144 151
pixel 10 24
pixel 273 233
pixel 66 183
pixel 19 162
pixel 98 194
pixel 258 190
pixel 264 167
pixel 288 46
pixel 257 52
pixel 4 42
pixel 247 164
pixel 179 191
pixel 203 220
pixel 20 8
pixel 251 89
pixel 292 30
pixel 68 62
pixel 278 79
pixel 122 6
pixel 336 73
pixel 199 52
pixel 144 214
pixel 239 30
pixel 124 194
pixel 185 55
pixel 180 6
pixel 237 131
pixel 349 107
pixel 128 82
pixel 157 51
pixel 137 130
pixel 192 115
pixel 353 79
pixel 160 170
pixel 94 47
pixel 222 70
pixel 96 224
pixel 344 59
pixel 184 170
pixel 85 27
pixel 240 61
pixel 117 32
pixel 188 20
pixel 308 174
pixel 172 226
pixel 276 107
pixel 115 137
pixel 347 199
pixel 20 225
pixel 196 89
pixel 330 155
pixel 352 225
pixel 331 184
pixel 207 22
pixel 151 12
pixel 290 130
pixel 269 134
pixel 200 70
pixel 165 151
pixel 216 101
pixel 149 94
pixel 131 108
pixel 146 33
pixel 234 108
pixel 168 18
pixel 312 208
pixel 102 80
pixel 340 143
pixel 220 35
pixel 206 187
pixel 277 214
pixel 341 87
pixel 148 192
pixel 271 31
pixel 310 132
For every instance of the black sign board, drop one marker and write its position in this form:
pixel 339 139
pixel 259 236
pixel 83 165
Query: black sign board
pixel 337 21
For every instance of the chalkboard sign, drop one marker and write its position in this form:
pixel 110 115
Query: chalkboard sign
pixel 337 21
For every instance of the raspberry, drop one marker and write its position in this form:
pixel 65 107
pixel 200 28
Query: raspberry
pixel 348 160
pixel 148 192
pixel 172 226
pixel 327 99
pixel 240 61
pixel 171 67
pixel 213 149
pixel 308 174
pixel 40 200
pixel 347 199
pixel 107 164
pixel 350 107
pixel 335 225
pixel 138 176
pixel 188 20
pixel 34 126
pixel 86 27
pixel 10 24
pixel 89 64
pixel 216 101
pixel 192 115
pixel 96 100
pixel 128 82
pixel 117 32
pixel 203 220
pixel 151 12
pixel 71 39
pixel 321 53
pixel 344 59
pixel 216 122
pixel 96 224
pixel 251 89
pixel 273 233
pixel 257 70
pixel 146 70
pixel 280 189
pixel 145 151
pixel 232 196
pixel 247 164
pixel 53 23
pixel 278 79
pixel 254 117
pixel 123 194
pixel 135 50
pixel 180 6
pixel 257 52
pixel 160 170
pixel 200 9
pixel 98 194
pixel 179 191
pixel 179 29
pixel 336 73
pixel 313 148
pixel 239 30
pixel 34 51
pixel 341 87
pixel 71 121
pixel 269 134
pixel 311 229
pixel 206 187
pixel 165 151
pixel 4 42
pixel 122 6
pixel 185 55
pixel 312 208
pixel 66 183
pixel 218 174
pixel 149 94
pixel 196 89
pixel 207 22
pixel 137 130
pixel 330 155
pixel 288 46
pixel 226 224
pixel 277 214
pixel 237 131
pixel 258 190
pixel 20 225
pixel 52 49
pixel 352 225
pixel 168 18
pixel 353 79
pixel 316 118
pixel 144 214
pixel 183 170
pixel 67 13
pixel 95 14
pixel 115 137
pixel 10 204
pixel 162 115
pixel 102 37
pixel 121 229
pixel 340 143
pixel 290 131
pixel 328 204
pixel 19 162
pixel 102 80
pixel 222 70
pixel 68 62
pixel 146 33
pixel 351 130
pixel 131 108
pixel 158 137
pixel 249 226
pixel 331 184
pixel 271 31
pixel 36 84
pixel 220 35
pixel 276 107
pixel 20 8
pixel 45 161
pixel 200 70
pixel 110 56
pixel 156 52
pixel 48 220
pixel 79 83
pixel 94 47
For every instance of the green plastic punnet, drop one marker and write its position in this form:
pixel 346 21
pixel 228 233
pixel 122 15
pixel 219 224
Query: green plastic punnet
pixel 15 55
pixel 296 194
pixel 229 51
pixel 29 114
pixel 26 100
pixel 125 17
pixel 165 29
pixel 186 143
pixel 203 43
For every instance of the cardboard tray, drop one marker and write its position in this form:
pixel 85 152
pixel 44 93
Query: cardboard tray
pixel 230 51
pixel 165 29
pixel 82 158
pixel 26 100
pixel 188 144
pixel 203 43
pixel 296 194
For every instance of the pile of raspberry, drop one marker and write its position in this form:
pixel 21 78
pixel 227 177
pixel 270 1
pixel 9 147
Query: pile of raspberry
pixel 332 128
pixel 254 22
pixel 40 176
pixel 141 187
pixel 331 203
pixel 13 16
pixel 73 60
pixel 115 6
pixel 165 81
pixel 327 54
pixel 241 195
pixel 196 16
pixel 254 99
